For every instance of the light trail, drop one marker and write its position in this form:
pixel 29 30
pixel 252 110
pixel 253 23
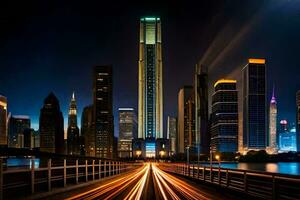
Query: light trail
pixel 167 182
pixel 118 185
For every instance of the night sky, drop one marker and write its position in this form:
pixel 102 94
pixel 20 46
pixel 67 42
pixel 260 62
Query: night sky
pixel 52 46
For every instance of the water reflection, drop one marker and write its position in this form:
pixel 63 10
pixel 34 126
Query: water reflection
pixel 281 167
pixel 22 162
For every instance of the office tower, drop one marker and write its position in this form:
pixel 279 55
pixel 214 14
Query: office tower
pixel 224 117
pixel 73 130
pixel 88 131
pixel 127 131
pixel 51 126
pixel 254 105
pixel 190 140
pixel 150 113
pixel 28 138
pixel 298 120
pixel 17 125
pixel 183 95
pixel 103 111
pixel 272 149
pixel 3 121
pixel 287 140
pixel 201 109
pixel 172 134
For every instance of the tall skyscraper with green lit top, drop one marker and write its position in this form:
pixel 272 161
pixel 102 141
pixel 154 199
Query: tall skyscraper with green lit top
pixel 150 108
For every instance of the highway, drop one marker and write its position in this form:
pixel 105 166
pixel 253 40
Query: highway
pixel 171 187
pixel 129 186
pixel 146 182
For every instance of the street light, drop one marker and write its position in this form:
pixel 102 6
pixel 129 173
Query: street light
pixel 138 153
pixel 162 153
pixel 218 158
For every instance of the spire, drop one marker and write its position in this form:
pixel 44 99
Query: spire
pixel 73 95
pixel 273 99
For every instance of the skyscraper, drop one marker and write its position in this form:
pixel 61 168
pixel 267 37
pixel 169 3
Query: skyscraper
pixel 201 109
pixel 183 127
pixel 17 126
pixel 224 117
pixel 73 130
pixel 127 131
pixel 51 126
pixel 150 113
pixel 254 105
pixel 3 121
pixel 88 131
pixel 273 146
pixel 298 120
pixel 172 134
pixel 103 111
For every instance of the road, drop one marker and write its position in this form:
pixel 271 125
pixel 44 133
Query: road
pixel 147 182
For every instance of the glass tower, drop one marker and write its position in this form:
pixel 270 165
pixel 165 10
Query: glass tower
pixel 254 105
pixel 150 108
pixel 103 111
pixel 224 117
pixel 127 131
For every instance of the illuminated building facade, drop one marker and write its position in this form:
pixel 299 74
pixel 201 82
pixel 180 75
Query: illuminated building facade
pixel 273 147
pixel 254 105
pixel 17 126
pixel 51 126
pixel 127 131
pixel 298 120
pixel 73 130
pixel 201 109
pixel 287 140
pixel 103 111
pixel 150 84
pixel 172 134
pixel 87 131
pixel 3 121
pixel 224 117
pixel 182 124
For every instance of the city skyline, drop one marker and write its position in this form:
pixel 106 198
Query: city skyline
pixel 65 84
pixel 166 100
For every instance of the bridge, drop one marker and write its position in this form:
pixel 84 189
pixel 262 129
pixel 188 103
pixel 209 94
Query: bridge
pixel 112 179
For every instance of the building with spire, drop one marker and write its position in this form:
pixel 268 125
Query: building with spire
pixel 51 126
pixel 73 130
pixel 150 84
pixel 273 146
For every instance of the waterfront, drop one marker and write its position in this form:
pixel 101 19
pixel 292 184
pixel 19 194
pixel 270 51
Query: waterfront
pixel 292 168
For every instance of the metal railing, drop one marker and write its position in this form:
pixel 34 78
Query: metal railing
pixel 264 185
pixel 26 181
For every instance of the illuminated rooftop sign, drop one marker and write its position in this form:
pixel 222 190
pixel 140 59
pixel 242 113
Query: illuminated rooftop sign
pixel 224 81
pixel 256 61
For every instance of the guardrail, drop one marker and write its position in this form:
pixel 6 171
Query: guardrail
pixel 56 174
pixel 264 185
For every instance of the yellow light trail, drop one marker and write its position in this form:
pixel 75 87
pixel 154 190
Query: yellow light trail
pixel 166 180
pixel 118 185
